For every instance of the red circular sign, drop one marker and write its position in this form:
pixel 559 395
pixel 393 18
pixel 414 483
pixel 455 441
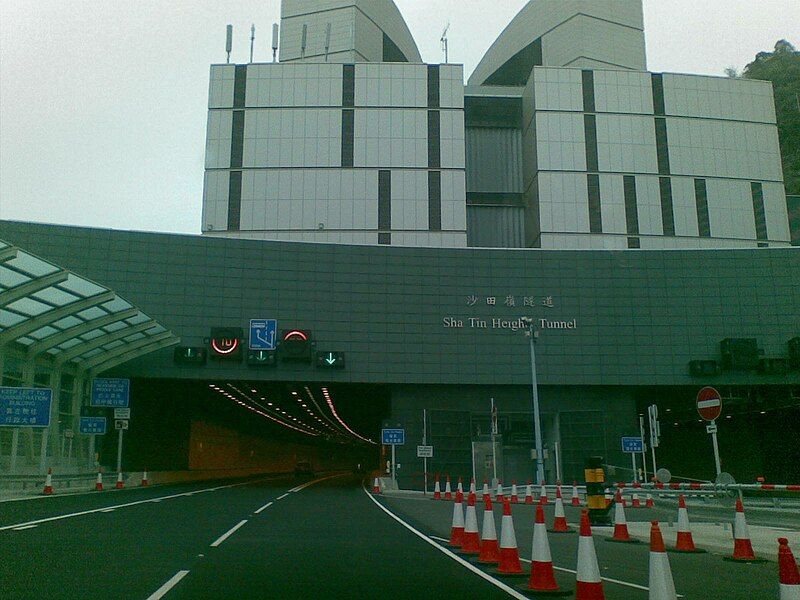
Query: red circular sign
pixel 709 404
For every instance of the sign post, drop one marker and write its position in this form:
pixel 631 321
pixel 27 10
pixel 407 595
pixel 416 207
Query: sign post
pixel 393 438
pixel 644 448
pixel 425 454
pixel 709 407
pixel 655 432
pixel 113 393
pixel 633 446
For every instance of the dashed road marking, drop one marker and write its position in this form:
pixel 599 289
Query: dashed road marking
pixel 228 533
pixel 267 505
pixel 173 581
pixel 282 497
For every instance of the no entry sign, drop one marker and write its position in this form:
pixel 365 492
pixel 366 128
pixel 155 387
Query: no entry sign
pixel 709 404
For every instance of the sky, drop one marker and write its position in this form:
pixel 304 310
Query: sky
pixel 103 102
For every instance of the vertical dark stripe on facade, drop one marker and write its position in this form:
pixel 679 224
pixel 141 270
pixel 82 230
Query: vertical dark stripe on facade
pixel 433 86
pixel 434 142
pixel 590 133
pixel 757 190
pixel 701 199
pixel 667 211
pixel 384 207
pixel 239 86
pixel 634 242
pixel 435 200
pixel 659 106
pixel 237 139
pixel 631 209
pixel 588 91
pixel 234 200
pixel 595 213
pixel 662 147
pixel 348 86
pixel 348 137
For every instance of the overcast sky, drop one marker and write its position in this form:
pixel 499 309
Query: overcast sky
pixel 103 103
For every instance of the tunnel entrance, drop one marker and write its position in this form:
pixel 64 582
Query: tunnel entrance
pixel 259 426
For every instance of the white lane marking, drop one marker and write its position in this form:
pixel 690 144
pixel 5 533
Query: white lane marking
pixel 310 483
pixel 267 505
pixel 282 497
pixel 609 579
pixel 228 533
pixel 173 581
pixel 108 510
pixel 510 591
pixel 26 527
pixel 127 504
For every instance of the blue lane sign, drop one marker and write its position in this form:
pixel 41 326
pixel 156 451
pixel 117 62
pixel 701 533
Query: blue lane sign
pixel 263 334
pixel 632 445
pixel 114 393
pixel 93 425
pixel 393 437
pixel 25 407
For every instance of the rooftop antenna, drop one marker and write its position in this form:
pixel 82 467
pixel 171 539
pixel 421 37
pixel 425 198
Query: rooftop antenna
pixel 303 42
pixel 252 40
pixel 444 42
pixel 327 41
pixel 275 31
pixel 229 43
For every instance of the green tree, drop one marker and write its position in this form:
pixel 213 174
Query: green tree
pixel 782 68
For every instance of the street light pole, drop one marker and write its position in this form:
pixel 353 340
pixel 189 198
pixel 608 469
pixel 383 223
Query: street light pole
pixel 537 426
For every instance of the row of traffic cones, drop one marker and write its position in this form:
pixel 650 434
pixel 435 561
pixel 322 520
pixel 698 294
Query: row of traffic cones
pixel 98 486
pixel 500 493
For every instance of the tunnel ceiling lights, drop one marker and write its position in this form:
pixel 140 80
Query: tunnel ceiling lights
pixel 329 400
pixel 333 426
pixel 308 431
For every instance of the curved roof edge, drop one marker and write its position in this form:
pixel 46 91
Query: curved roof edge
pixel 540 17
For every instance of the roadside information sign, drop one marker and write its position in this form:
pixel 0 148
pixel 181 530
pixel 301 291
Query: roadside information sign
pixel 93 425
pixel 122 413
pixel 393 437
pixel 632 445
pixel 25 407
pixel 709 404
pixel 424 451
pixel 120 424
pixel 114 393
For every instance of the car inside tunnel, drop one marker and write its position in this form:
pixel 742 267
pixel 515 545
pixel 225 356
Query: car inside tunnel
pixel 247 426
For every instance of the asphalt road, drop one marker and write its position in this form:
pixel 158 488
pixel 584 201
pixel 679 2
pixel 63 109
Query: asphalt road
pixel 255 539
pixel 702 576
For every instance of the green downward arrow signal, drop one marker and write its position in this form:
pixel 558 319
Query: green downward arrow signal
pixel 331 358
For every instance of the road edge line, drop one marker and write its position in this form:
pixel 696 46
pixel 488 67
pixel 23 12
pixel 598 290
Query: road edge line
pixel 171 583
pixel 509 590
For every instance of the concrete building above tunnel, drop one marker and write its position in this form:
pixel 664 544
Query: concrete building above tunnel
pixel 562 139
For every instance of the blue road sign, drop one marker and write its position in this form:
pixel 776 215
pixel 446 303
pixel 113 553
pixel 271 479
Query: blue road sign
pixel 393 437
pixel 93 425
pixel 263 334
pixel 114 393
pixel 632 445
pixel 25 407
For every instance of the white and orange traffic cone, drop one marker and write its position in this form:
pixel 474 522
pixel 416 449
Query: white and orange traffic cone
pixel 589 584
pixel 662 586
pixel 514 496
pixel 48 483
pixel 460 487
pixel 499 497
pixel 685 541
pixel 448 492
pixel 649 503
pixel 145 481
pixel 471 542
pixel 120 483
pixel 543 494
pixel 742 546
pixel 472 485
pixel 490 550
pixel 529 493
pixel 560 522
pixel 376 486
pixel 621 524
pixel 437 490
pixel 789 574
pixel 542 580
pixel 98 486
pixel 457 529
pixel 576 499
pixel 636 502
pixel 486 494
pixel 509 553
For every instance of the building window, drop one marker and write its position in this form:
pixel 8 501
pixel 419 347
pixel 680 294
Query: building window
pixel 667 211
pixel 595 213
pixel 662 147
pixel 234 200
pixel 631 210
pixel 348 137
pixel 384 206
pixel 588 91
pixel 348 86
pixel 590 132
pixel 634 242
pixel 433 86
pixel 434 142
pixel 701 199
pixel 757 191
pixel 435 200
pixel 239 86
pixel 237 139
pixel 659 106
